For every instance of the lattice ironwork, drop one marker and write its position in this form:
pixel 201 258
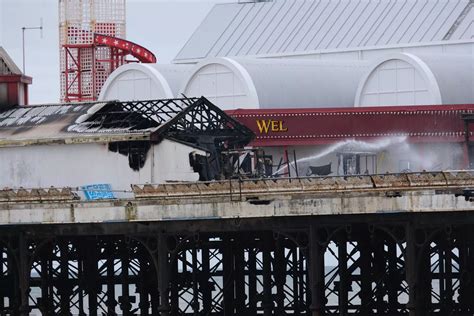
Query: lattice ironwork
pixel 446 261
pixel 88 276
pixel 200 281
pixel 8 282
pixel 309 268
pixel 239 275
pixel 291 277
pixel 364 273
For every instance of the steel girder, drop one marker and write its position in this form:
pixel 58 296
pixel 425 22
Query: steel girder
pixel 307 267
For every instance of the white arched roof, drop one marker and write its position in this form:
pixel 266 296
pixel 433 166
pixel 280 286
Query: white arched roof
pixel 275 83
pixel 406 79
pixel 144 82
pixel 223 81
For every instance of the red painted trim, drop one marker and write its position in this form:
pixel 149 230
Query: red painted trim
pixel 16 78
pixel 296 127
pixel 344 110
pixel 139 52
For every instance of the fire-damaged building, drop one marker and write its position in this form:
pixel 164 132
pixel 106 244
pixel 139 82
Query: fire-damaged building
pixel 111 145
pixel 343 141
pixel 318 82
pixel 114 144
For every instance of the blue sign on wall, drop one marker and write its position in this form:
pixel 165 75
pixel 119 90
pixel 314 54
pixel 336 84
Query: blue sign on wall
pixel 98 192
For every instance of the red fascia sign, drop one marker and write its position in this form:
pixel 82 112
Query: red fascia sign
pixel 286 127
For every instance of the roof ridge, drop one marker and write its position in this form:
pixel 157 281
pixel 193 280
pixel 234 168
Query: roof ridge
pixel 12 68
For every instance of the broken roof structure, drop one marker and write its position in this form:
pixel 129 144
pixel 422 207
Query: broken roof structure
pixel 184 119
pixel 113 144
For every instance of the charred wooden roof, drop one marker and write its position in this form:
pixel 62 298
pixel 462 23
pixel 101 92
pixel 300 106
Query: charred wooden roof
pixel 182 119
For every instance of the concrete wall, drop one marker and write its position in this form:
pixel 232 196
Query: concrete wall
pixel 85 164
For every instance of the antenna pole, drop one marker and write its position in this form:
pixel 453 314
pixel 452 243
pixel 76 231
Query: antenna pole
pixel 23 45
pixel 23 29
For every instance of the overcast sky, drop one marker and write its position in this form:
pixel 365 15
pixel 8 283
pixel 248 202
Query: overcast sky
pixel 161 26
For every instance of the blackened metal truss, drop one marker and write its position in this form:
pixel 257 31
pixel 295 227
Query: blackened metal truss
pixel 184 119
pixel 203 118
pixel 136 115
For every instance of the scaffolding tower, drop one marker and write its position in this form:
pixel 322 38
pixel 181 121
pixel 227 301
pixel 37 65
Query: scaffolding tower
pixel 92 45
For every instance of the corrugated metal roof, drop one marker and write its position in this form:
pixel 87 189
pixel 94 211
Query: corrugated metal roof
pixel 39 121
pixel 465 25
pixel 83 120
pixel 26 117
pixel 296 26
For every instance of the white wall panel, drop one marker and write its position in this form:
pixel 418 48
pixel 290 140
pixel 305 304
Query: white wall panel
pixel 86 164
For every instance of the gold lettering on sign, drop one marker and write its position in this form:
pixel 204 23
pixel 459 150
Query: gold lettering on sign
pixel 265 126
pixel 283 129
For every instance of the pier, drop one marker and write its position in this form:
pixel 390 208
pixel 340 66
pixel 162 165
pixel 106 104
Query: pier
pixel 361 245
